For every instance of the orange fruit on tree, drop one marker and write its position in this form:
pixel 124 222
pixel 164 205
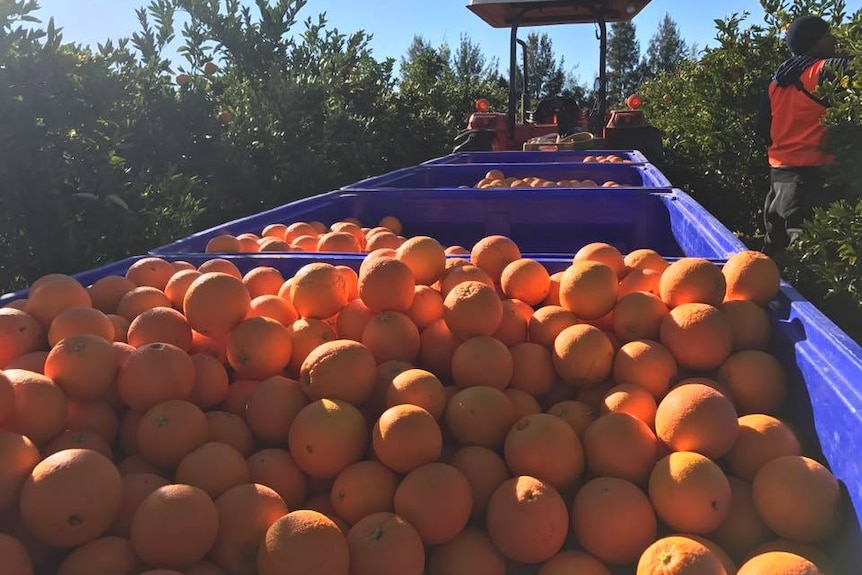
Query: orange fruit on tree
pixel 761 439
pixel 742 530
pixel 245 512
pixel 697 417
pixel 527 520
pixel 493 253
pixel 692 280
pixel 583 355
pixel 471 551
pixel 215 303
pixel 174 527
pixel 698 335
pixel 303 542
pixel 406 437
pixel 386 284
pixel 638 315
pixel 588 289
pixel 485 470
pixel 526 280
pixel 71 497
pixel 318 291
pixel 752 276
pixel 480 415
pixel 756 380
pixel 690 493
pixel 153 373
pixel 679 555
pixel 437 500
pixel 83 365
pixel 383 543
pixel 78 320
pixel 613 520
pixel 327 435
pixel 362 489
pixel 213 467
pixel 169 431
pixel 779 563
pixel 482 361
pixel 472 308
pixel 20 334
pixel 620 445
pixel 39 410
pixel 276 469
pixel 798 498
pixel 391 335
pixel 545 447
pixel 420 388
pixel 106 292
pixel 20 455
pixel 602 253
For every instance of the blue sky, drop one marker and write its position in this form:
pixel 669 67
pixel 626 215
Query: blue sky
pixel 393 24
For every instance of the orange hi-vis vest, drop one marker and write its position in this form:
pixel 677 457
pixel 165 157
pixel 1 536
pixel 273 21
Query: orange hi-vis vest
pixel 797 129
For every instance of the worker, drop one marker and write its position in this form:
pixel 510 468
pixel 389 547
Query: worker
pixel 790 119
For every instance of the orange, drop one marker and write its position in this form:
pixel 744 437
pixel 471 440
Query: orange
pixel 484 361
pixel 20 455
pixel 139 300
pixel 248 243
pixel 779 563
pixel 638 315
pixel 97 416
pixel 425 257
pixel 457 250
pixel 524 403
pixel 299 229
pixel 169 431
pixel 470 552
pixel 513 326
pixel 752 276
pixel 137 486
pixel 306 335
pixel 692 280
pixel 545 447
pixel 485 470
pixel 224 243
pixel 427 306
pixel 106 292
pixel 318 291
pixel 406 437
pixel 619 445
pixel 339 369
pixel 577 414
pixel 273 245
pixel 83 365
pixel 276 469
pixel 351 320
pixel 527 520
pixel 698 335
pixel 749 323
pixel 363 488
pixel 547 323
pixel 327 436
pixel 272 407
pixel 798 498
pixel 274 307
pixel 679 555
pixel 391 335
pixel 492 254
pixel 743 529
pixel 152 272
pixel 263 280
pixel 174 527
pixel 437 345
pixel 756 380
pixel 39 406
pixel 245 512
pixel 697 417
pixel 480 415
pixel 386 284
pixel 50 295
pixel 78 320
pixel 526 280
pixel 220 265
pixel 583 355
pixel 641 280
pixel 689 492
pixel 71 497
pixel 633 400
pixel 20 334
pixel 645 259
pixel 647 364
pixel 463 273
pixel 211 382
pixel 588 289
pixel 386 372
pixel 808 551
pixel 338 242
pixel 384 239
pixel 472 308
pixel 78 439
pixel 761 439
pixel 566 562
pixel 553 297
pixel 155 372
pixel 215 303
pixel 602 253
pixel 532 368
pixel 103 555
pixel 160 324
pixel 420 388
pixel 214 467
pixel 437 500
pixel 231 429
pixel 385 544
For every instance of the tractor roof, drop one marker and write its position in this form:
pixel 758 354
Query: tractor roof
pixel 503 13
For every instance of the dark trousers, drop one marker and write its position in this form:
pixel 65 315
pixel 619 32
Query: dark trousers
pixel 792 197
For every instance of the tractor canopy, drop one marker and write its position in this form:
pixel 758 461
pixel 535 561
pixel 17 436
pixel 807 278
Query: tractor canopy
pixel 505 14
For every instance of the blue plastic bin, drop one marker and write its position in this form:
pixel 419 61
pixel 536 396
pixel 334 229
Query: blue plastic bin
pixel 824 364
pixel 539 220
pixel 534 157
pixel 455 175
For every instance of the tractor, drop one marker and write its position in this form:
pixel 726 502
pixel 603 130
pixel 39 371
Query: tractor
pixel 563 116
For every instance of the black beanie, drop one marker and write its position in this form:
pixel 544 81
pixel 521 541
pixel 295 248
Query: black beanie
pixel 804 33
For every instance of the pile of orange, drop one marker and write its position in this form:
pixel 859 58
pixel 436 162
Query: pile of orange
pixel 422 415
pixel 609 159
pixel 496 179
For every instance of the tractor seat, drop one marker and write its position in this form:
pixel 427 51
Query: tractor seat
pixel 565 108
